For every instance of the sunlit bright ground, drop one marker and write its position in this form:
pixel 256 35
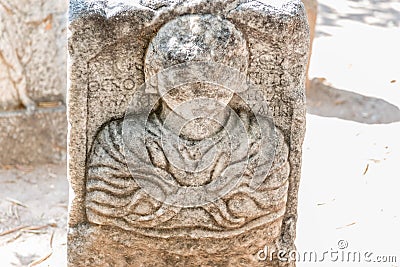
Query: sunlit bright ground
pixel 351 171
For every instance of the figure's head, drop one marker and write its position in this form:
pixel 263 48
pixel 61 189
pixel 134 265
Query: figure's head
pixel 196 38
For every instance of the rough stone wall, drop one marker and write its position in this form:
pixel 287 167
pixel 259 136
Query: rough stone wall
pixel 33 54
pixel 32 48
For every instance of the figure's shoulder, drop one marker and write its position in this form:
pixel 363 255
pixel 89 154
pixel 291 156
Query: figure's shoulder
pixel 112 134
pixel 110 128
pixel 268 136
pixel 260 126
pixel 120 135
pixel 134 125
pixel 116 126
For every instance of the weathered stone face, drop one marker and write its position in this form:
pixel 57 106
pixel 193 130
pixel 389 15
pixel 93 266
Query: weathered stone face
pixel 197 38
pixel 186 124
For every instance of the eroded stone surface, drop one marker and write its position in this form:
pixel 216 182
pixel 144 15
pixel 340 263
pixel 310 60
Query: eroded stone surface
pixel 206 173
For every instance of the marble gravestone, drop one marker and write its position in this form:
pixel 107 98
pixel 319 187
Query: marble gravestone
pixel 33 81
pixel 186 121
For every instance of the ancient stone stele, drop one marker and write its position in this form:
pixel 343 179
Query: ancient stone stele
pixel 186 124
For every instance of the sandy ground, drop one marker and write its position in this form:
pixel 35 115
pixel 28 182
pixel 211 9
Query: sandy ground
pixel 350 179
pixel 349 200
pixel 33 215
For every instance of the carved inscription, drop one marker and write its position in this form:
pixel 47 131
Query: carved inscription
pixel 270 107
pixel 111 84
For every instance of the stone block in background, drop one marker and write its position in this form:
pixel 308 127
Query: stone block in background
pixel 33 138
pixel 312 11
pixel 32 81
pixel 116 217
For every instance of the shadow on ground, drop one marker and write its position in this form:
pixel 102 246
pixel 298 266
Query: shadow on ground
pixel 372 12
pixel 327 101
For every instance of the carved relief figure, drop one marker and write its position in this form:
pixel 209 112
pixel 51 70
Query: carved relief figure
pixel 197 152
pixel 13 56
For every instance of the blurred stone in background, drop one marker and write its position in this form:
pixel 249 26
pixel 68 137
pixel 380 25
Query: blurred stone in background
pixel 32 81
pixel 312 11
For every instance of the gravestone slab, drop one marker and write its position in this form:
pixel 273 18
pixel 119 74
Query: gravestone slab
pixel 186 121
pixel 33 55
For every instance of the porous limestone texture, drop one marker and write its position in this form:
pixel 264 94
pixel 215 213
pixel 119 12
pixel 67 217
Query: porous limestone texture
pixel 186 122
